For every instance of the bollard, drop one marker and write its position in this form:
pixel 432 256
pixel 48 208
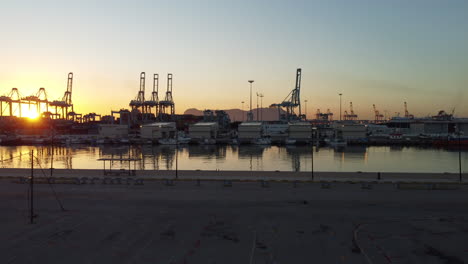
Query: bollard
pixel 378 176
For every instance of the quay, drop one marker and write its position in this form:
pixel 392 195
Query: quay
pixel 243 223
pixel 239 175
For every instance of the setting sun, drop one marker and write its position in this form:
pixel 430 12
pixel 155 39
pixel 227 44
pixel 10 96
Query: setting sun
pixel 29 113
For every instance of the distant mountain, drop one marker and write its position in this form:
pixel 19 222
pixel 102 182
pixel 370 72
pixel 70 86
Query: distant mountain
pixel 266 114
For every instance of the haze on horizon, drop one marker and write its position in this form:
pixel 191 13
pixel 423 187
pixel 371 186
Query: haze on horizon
pixel 374 52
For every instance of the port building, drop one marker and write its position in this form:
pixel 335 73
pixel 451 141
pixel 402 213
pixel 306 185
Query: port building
pixel 158 130
pixel 204 130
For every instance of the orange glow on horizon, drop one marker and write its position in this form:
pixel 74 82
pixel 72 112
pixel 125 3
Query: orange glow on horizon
pixel 29 113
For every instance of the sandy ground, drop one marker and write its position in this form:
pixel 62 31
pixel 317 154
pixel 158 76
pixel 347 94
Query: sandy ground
pixel 244 223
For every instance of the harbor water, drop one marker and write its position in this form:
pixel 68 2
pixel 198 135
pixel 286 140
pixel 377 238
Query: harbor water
pixel 240 158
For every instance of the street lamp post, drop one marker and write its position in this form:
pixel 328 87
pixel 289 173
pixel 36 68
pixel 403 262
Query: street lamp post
pixel 250 116
pixel 340 104
pixel 258 115
pixel 243 116
pixel 459 155
pixel 261 107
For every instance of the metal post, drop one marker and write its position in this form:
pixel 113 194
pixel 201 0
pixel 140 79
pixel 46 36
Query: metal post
pixel 261 107
pixel 459 155
pixel 176 157
pixel 251 114
pixel 257 109
pixel 340 105
pixel 312 156
pixel 31 185
pixel 305 110
pixel 243 115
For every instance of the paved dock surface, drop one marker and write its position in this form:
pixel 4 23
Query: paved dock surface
pixel 244 175
pixel 244 223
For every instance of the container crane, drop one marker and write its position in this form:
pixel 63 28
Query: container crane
pixel 4 99
pixel 351 116
pixel 291 102
pixel 140 99
pixel 330 115
pixel 168 102
pixel 318 114
pixel 407 114
pixel 39 98
pixel 346 115
pixel 15 97
pixel 154 101
pixel 378 116
pixel 91 117
pixel 66 101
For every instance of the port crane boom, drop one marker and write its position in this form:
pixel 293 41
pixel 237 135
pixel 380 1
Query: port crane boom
pixel 292 101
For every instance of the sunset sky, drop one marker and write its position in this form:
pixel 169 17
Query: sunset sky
pixel 374 52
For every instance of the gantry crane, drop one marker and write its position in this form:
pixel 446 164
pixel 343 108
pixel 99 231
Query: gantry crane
pixel 167 106
pixel 351 116
pixel 407 114
pixel 4 99
pixel 139 102
pixel 330 115
pixel 66 101
pixel 154 101
pixel 40 98
pixel 13 97
pixel 378 116
pixel 91 117
pixel 291 102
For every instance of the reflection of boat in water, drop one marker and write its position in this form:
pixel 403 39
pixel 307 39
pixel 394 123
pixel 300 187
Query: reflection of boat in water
pixel 167 141
pixel 337 143
pixel 124 141
pixel 208 141
pixel 262 141
pixel 173 141
pixel 183 140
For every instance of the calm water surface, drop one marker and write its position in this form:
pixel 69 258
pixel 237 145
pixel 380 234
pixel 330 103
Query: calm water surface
pixel 295 158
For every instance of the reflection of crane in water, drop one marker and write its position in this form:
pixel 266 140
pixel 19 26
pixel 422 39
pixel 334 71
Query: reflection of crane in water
pixel 295 158
pixel 151 155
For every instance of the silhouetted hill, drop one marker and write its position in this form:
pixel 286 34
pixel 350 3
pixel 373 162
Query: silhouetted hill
pixel 267 114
